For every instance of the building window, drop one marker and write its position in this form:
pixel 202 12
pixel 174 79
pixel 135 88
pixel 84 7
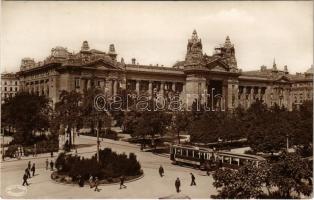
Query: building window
pixel 98 83
pixel 10 89
pixel 16 89
pixel 77 83
pixel 5 88
pixel 15 82
pixel 5 83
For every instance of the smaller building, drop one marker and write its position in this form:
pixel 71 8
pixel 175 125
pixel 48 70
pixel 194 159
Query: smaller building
pixel 9 85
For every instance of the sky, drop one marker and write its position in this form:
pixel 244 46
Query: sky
pixel 157 32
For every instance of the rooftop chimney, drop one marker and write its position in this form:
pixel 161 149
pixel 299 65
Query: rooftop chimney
pixel 133 61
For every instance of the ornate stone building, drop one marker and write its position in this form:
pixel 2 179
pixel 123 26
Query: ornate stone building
pixel 215 81
pixel 9 85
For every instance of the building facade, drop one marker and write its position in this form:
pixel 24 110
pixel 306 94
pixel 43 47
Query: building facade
pixel 9 85
pixel 215 81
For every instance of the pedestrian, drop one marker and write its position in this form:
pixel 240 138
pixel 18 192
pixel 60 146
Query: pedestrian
pixel 80 181
pixel 122 178
pixel 29 165
pixel 178 184
pixel 25 177
pixel 161 171
pixel 28 172
pixel 51 165
pixel 51 154
pixel 91 182
pixel 47 164
pixel 192 179
pixel 33 169
pixel 96 184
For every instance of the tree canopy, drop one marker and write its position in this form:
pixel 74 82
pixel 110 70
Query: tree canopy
pixel 27 113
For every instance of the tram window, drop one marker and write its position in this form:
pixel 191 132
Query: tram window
pixel 183 152
pixel 190 153
pixel 235 161
pixel 242 162
pixel 178 151
pixel 202 155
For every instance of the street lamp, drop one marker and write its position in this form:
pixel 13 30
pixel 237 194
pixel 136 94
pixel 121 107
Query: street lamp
pixel 287 137
pixel 2 143
pixel 213 99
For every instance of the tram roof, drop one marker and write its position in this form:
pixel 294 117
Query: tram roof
pixel 192 147
pixel 240 155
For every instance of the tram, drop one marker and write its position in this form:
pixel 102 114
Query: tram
pixel 208 159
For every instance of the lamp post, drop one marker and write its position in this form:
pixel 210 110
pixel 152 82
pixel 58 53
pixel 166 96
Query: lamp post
pixel 2 143
pixel 287 137
pixel 213 99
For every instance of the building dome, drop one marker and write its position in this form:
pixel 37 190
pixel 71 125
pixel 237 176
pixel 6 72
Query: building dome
pixel 311 70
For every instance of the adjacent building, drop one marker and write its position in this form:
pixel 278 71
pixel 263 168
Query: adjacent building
pixel 215 80
pixel 9 85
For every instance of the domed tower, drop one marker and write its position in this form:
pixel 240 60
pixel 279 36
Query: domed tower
pixel 227 52
pixel 85 46
pixel 112 52
pixel 194 52
pixel 193 68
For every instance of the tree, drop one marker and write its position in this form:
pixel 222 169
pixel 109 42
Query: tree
pixel 290 174
pixel 92 117
pixel 68 111
pixel 28 114
pixel 180 122
pixel 245 183
pixel 152 123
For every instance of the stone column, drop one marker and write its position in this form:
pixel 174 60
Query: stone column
pixel 109 86
pixel 290 100
pixel 115 87
pixel 236 93
pixel 138 87
pixel 150 89
pixel 229 95
pixel 244 100
pixel 259 93
pixel 88 83
pixel 173 86
pixel 251 96
pixel 267 95
pixel 162 87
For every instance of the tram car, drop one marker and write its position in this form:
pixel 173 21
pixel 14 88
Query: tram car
pixel 208 159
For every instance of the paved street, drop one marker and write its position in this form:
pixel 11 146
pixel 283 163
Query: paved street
pixel 150 186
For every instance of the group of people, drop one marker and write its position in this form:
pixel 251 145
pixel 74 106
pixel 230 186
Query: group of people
pixel 51 163
pixel 177 182
pixel 94 182
pixel 30 168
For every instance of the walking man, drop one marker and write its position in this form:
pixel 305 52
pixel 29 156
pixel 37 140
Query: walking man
pixel 27 173
pixel 25 177
pixel 161 171
pixel 178 184
pixel 47 164
pixel 33 169
pixel 91 182
pixel 122 178
pixel 51 165
pixel 193 179
pixel 29 165
pixel 96 184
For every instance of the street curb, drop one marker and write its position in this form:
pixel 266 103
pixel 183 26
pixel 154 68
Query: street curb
pixel 103 184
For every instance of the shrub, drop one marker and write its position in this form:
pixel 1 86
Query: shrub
pixel 111 165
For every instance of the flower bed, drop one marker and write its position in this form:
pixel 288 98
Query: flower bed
pixel 109 169
pixel 63 178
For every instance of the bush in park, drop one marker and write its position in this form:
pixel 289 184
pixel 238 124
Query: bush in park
pixel 111 165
